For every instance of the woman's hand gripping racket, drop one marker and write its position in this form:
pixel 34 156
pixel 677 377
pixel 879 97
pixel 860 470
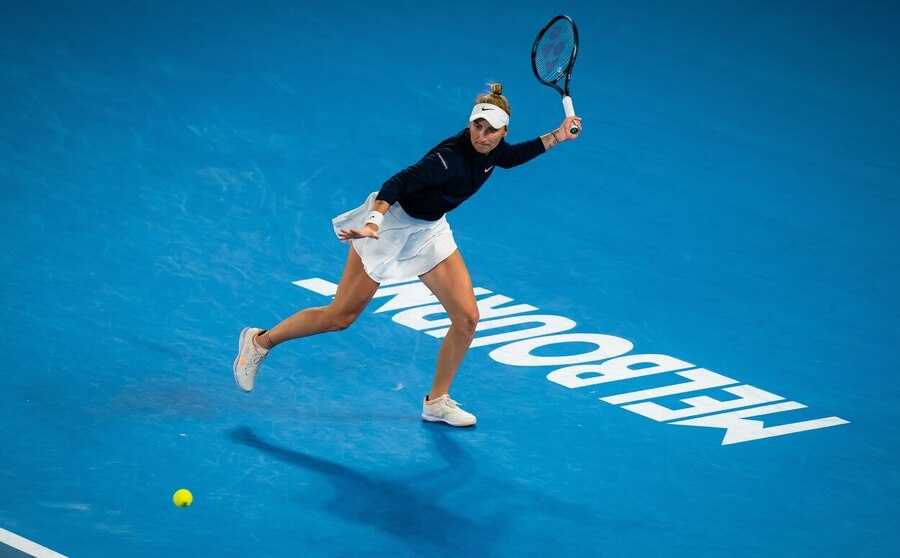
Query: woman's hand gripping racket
pixel 553 56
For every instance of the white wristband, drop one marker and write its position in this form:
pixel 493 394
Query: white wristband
pixel 376 217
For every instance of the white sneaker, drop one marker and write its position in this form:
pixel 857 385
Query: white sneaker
pixel 444 409
pixel 250 356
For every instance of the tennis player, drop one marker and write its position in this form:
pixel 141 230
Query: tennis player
pixel 401 232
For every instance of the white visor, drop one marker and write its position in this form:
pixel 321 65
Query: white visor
pixel 495 115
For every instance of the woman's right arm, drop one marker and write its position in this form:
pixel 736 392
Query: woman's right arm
pixel 370 229
pixel 436 167
pixel 430 170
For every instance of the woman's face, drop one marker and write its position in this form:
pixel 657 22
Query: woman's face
pixel 484 136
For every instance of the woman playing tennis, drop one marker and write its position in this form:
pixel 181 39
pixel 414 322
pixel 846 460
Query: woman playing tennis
pixel 400 232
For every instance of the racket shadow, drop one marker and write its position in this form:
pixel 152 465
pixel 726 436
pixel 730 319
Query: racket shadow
pixel 406 508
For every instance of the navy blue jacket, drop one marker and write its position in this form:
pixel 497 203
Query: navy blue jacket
pixel 450 173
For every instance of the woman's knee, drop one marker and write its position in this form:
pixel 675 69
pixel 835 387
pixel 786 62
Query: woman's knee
pixel 343 321
pixel 339 320
pixel 466 322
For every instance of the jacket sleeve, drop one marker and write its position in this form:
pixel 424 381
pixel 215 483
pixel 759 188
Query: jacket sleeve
pixel 513 155
pixel 435 168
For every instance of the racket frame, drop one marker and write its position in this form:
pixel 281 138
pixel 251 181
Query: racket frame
pixel 563 91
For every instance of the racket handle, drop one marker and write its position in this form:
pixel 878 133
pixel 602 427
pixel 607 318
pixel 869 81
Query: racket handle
pixel 570 111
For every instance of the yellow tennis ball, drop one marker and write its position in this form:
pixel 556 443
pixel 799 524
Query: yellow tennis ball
pixel 183 498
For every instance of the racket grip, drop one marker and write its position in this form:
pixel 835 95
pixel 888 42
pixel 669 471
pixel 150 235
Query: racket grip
pixel 570 111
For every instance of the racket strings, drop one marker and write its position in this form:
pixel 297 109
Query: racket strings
pixel 554 51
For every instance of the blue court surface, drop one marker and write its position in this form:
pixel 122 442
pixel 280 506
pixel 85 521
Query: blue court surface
pixel 689 331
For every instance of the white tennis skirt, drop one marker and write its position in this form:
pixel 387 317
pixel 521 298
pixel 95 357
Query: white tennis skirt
pixel 406 247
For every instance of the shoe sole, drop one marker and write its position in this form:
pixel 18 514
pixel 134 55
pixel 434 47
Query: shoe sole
pixel 237 359
pixel 429 418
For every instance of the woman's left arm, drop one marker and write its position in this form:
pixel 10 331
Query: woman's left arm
pixel 561 134
pixel 513 155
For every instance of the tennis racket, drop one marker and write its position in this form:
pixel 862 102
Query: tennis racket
pixel 553 56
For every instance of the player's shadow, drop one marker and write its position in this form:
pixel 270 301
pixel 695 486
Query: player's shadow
pixel 407 508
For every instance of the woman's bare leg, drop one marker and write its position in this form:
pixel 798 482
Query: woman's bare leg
pixel 354 293
pixel 451 284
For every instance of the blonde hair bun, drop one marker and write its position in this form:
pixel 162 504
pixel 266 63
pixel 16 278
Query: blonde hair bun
pixel 495 97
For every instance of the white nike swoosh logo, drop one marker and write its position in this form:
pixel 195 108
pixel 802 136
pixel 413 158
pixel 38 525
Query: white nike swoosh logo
pixel 489 168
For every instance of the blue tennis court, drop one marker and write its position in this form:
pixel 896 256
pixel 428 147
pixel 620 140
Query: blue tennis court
pixel 689 327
